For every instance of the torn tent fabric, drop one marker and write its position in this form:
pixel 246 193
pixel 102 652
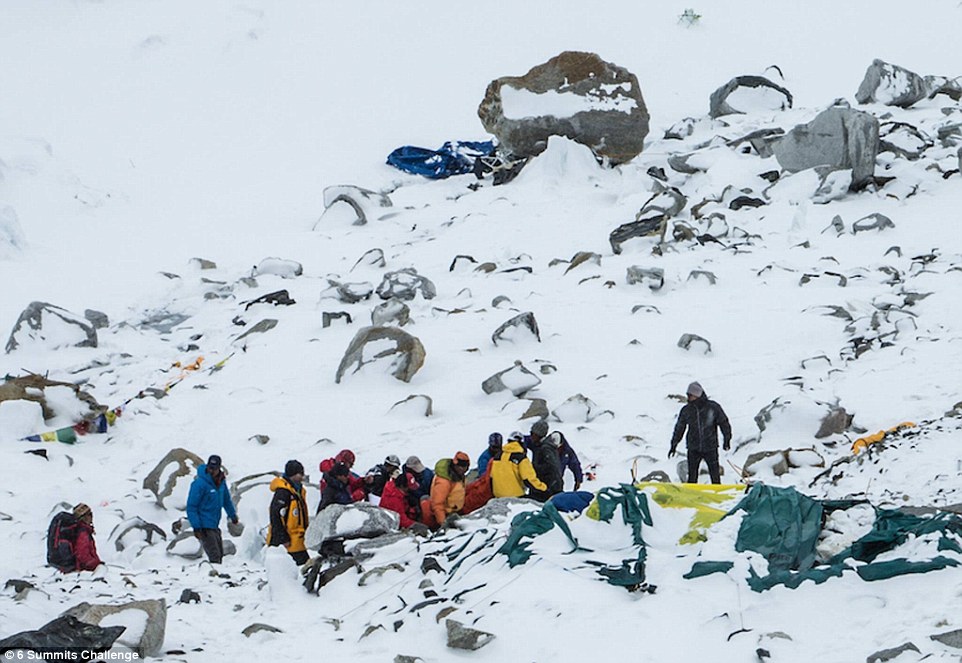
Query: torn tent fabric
pixel 452 158
pixel 528 525
pixel 783 526
pixel 709 502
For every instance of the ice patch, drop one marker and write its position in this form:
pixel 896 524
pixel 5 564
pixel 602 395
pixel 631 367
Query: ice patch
pixel 519 104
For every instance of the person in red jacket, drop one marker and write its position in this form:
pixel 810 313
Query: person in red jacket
pixel 394 497
pixel 354 482
pixel 84 547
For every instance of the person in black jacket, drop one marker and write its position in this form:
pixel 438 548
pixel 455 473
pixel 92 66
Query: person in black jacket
pixel 545 459
pixel 288 512
pixel 337 489
pixel 702 417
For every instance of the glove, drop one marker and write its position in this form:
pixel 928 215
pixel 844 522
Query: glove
pixel 235 520
pixel 450 520
pixel 671 452
pixel 577 485
pixel 727 445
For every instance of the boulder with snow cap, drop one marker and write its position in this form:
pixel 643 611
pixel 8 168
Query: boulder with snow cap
pixel 64 632
pixel 51 327
pixel 839 138
pixel 177 465
pixel 407 351
pixel 405 284
pixel 463 637
pixel 286 269
pixel 575 94
pixel 350 521
pixel 366 205
pixel 891 85
pixel 521 322
pixel 146 622
pixel 392 311
pixel 517 379
pixel 748 94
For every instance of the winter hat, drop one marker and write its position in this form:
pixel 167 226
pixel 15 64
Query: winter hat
pixel 213 463
pixel 405 480
pixel 555 439
pixel 695 390
pixel 392 460
pixel 462 459
pixel 495 440
pixel 516 436
pixel 293 467
pixel 340 470
pixel 81 510
pixel 345 456
pixel 540 428
pixel 414 464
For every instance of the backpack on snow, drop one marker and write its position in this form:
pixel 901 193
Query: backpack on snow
pixel 61 536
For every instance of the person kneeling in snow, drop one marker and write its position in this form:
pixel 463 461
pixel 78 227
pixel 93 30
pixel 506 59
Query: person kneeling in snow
pixel 396 498
pixel 447 490
pixel 289 512
pixel 337 488
pixel 70 541
pixel 355 483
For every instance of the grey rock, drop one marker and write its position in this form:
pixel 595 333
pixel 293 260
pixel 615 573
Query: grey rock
pixel 403 658
pixel 150 642
pixel 367 204
pixel 686 341
pixel 286 269
pixel 951 87
pixel 424 403
pixel 703 274
pixel 251 481
pixel 839 138
pixel 949 638
pixel 203 263
pixel 520 321
pixel 163 321
pixel 904 140
pixel 187 546
pixel 614 125
pixel 463 637
pixel 363 521
pixel 836 422
pixel 65 632
pixel 186 463
pixel 657 475
pixel 653 277
pixel 874 221
pixel 260 438
pixel 888 654
pixel 32 387
pixel 408 352
pixel 719 106
pixel 404 284
pixel 352 293
pixel 581 258
pixel 681 129
pixel 679 163
pixel 517 379
pixel 45 323
pixel 501 301
pixel 327 317
pixel 371 258
pixel 764 416
pixel 538 408
pixel 189 596
pixel 891 85
pixel 391 311
pixel 578 408
pixel 261 327
pixel 98 319
pixel 258 627
pixel 149 532
pixel 643 228
pixel 778 469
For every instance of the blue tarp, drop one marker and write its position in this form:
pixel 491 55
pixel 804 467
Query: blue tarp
pixel 452 158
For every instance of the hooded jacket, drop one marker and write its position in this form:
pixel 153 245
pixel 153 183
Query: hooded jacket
pixel 85 548
pixel 394 500
pixel 206 499
pixel 547 464
pixel 336 490
pixel 512 472
pixel 288 515
pixel 569 460
pixel 702 417
pixel 447 492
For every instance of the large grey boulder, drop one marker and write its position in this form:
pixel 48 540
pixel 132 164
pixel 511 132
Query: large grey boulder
pixel 147 641
pixel 464 637
pixel 286 269
pixel 365 203
pixel 745 94
pixel 576 95
pixel 517 379
pixel 135 532
pixel 520 322
pixel 393 311
pixel 891 85
pixel 839 138
pixel 350 521
pixel 405 284
pixel 408 352
pixel 54 327
pixel 178 464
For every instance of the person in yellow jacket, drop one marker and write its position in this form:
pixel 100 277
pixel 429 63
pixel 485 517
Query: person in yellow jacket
pixel 513 472
pixel 447 490
pixel 289 512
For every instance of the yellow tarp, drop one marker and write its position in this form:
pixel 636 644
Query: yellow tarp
pixel 863 442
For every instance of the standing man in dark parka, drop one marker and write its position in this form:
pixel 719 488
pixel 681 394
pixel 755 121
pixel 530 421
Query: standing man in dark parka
pixel 702 417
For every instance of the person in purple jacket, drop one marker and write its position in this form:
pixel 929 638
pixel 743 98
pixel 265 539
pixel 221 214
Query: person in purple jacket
pixel 569 460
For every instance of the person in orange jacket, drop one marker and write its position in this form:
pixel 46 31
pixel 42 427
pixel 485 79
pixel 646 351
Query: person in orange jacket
pixel 447 490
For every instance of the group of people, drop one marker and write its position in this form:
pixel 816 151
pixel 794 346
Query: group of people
pixel 424 499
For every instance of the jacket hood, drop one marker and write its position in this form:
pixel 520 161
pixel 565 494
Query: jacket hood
pixel 443 469
pixel 281 482
pixel 511 448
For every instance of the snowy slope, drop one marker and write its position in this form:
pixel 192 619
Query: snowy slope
pixel 136 136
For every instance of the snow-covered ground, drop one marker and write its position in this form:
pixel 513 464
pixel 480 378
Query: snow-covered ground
pixel 137 136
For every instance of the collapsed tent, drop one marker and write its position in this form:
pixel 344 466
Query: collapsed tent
pixel 452 158
pixel 783 526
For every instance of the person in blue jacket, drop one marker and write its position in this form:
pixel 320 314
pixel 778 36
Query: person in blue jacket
pixel 208 495
pixel 493 452
pixel 569 461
